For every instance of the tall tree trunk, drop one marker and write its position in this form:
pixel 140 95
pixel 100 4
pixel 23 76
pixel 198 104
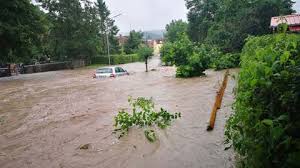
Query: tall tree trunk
pixel 146 63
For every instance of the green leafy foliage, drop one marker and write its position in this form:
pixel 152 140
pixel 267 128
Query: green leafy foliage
pixel 167 53
pixel 174 30
pixel 201 17
pixel 224 61
pixel 150 135
pixel 117 59
pixel 143 115
pixel 222 24
pixel 191 59
pixel 106 26
pixel 135 39
pixel 197 62
pixel 228 23
pixel 264 129
pixel 21 31
pixel 282 28
pixel 79 29
pixel 182 48
pixel 70 29
pixel 145 53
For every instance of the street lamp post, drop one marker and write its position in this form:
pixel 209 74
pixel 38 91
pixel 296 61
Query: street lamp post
pixel 107 39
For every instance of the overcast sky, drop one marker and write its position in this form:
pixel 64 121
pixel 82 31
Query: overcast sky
pixel 146 14
pixel 297 6
pixel 150 14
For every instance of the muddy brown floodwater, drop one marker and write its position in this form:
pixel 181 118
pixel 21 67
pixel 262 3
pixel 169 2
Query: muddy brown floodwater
pixel 46 117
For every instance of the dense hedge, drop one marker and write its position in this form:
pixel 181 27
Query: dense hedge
pixel 117 59
pixel 265 127
pixel 225 61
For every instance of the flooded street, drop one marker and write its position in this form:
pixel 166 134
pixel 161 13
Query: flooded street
pixel 45 117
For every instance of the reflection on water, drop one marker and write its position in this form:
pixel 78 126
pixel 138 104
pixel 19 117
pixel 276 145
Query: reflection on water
pixel 45 117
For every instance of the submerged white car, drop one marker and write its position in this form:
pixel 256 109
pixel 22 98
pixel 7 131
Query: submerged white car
pixel 107 72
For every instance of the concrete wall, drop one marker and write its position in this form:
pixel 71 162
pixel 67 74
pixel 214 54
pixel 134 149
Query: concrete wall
pixel 46 67
pixel 53 66
pixel 78 63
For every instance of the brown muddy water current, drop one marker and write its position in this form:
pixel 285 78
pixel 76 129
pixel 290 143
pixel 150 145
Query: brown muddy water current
pixel 45 117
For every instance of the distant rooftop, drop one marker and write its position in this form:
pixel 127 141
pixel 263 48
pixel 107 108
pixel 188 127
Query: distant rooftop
pixel 291 20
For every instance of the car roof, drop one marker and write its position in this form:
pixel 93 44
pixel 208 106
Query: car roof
pixel 105 67
pixel 110 67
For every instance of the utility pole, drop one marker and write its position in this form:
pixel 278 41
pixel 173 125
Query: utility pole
pixel 107 38
pixel 107 41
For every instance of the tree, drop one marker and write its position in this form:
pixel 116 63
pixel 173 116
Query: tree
pixel 235 20
pixel 191 59
pixel 21 30
pixel 69 29
pixel 134 40
pixel 228 23
pixel 174 29
pixel 145 53
pixel 91 43
pixel 72 29
pixel 107 25
pixel 201 16
pixel 79 28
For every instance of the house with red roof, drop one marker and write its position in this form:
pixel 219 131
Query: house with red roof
pixel 293 22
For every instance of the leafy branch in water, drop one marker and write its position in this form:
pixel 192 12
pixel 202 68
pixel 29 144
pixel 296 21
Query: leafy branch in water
pixel 143 115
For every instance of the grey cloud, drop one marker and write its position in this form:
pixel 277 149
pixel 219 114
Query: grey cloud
pixel 146 14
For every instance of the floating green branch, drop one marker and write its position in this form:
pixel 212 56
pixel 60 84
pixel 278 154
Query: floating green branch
pixel 143 115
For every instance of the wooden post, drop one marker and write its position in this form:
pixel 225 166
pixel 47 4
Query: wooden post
pixel 218 102
pixel 9 70
pixel 146 62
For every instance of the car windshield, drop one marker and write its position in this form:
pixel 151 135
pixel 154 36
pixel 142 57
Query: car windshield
pixel 104 70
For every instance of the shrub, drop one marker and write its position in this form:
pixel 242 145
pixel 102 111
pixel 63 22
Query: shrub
pixel 191 60
pixel 100 60
pixel 167 53
pixel 197 63
pixel 265 127
pixel 225 61
pixel 117 59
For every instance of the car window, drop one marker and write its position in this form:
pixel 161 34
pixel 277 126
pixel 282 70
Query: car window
pixel 104 70
pixel 121 69
pixel 117 69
